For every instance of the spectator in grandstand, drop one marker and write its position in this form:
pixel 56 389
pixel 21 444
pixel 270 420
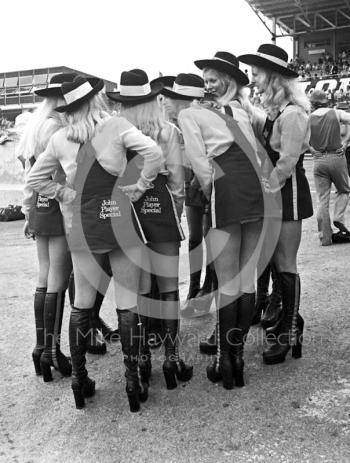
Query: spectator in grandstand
pixel 285 135
pixel 329 166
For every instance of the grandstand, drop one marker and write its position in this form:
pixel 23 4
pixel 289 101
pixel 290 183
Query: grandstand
pixel 321 40
pixel 17 88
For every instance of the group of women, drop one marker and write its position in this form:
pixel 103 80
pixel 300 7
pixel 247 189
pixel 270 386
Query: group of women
pixel 110 187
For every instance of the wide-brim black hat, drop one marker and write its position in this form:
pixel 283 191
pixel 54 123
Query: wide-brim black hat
pixel 185 87
pixel 55 85
pixel 78 92
pixel 224 62
pixel 135 88
pixel 167 81
pixel 270 56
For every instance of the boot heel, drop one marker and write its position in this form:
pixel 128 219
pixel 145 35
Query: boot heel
pixel 143 395
pixel 213 372
pixel 46 372
pixel 184 372
pixel 36 360
pixel 227 373
pixel 134 399
pixel 297 348
pixel 77 389
pixel 169 371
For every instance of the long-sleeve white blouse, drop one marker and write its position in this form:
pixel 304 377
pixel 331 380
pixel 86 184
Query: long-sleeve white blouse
pixel 110 141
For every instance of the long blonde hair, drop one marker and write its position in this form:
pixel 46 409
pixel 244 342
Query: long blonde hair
pixel 147 117
pixel 280 89
pixel 234 91
pixel 81 124
pixel 33 136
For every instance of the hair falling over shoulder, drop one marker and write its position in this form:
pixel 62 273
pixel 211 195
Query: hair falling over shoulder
pixel 33 135
pixel 147 117
pixel 280 89
pixel 81 124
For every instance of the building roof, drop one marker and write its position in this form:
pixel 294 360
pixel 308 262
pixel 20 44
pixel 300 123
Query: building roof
pixel 297 17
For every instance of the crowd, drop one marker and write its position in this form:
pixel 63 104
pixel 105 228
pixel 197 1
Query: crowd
pixel 104 195
pixel 326 66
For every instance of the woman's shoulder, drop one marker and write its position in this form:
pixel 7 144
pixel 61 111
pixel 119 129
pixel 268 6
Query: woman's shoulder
pixel 119 123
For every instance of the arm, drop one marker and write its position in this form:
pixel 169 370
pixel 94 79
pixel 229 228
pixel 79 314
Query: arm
pixel 175 168
pixel 152 156
pixel 196 150
pixel 293 132
pixel 39 178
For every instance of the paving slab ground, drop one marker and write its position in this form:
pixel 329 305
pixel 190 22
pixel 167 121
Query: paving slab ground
pixel 298 411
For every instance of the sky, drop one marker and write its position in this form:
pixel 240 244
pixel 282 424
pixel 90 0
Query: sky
pixel 106 37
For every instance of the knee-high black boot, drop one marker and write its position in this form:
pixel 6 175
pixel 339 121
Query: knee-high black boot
pixel 222 368
pixel 154 320
pixel 79 331
pixel 273 311
pixel 52 355
pixel 262 295
pixel 291 328
pixel 173 366
pixel 39 302
pixel 128 321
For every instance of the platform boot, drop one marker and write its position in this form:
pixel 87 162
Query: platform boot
pixel 79 330
pixel 291 330
pixel 128 321
pixel 222 367
pixel 52 355
pixel 39 302
pixel 173 367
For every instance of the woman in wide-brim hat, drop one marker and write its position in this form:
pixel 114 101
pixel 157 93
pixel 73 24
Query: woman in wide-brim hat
pixel 159 212
pixel 184 90
pixel 285 134
pixel 227 171
pixel 44 222
pixel 91 151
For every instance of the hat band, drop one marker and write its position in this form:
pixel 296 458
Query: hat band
pixel 135 90
pixel 54 86
pixel 273 59
pixel 188 90
pixel 78 93
pixel 224 61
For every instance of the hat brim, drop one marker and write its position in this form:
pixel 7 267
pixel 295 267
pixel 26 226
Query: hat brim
pixel 255 60
pixel 231 70
pixel 177 96
pixel 156 88
pixel 47 92
pixel 97 86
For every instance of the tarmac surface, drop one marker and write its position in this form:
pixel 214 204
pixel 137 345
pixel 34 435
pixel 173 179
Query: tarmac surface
pixel 297 411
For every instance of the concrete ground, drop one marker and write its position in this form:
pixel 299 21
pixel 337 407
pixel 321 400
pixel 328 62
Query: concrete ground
pixel 297 411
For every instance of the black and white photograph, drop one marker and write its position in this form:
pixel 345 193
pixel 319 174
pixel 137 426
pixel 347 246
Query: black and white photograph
pixel 175 231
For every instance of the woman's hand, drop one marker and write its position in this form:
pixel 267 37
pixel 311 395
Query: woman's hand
pixel 132 191
pixel 27 232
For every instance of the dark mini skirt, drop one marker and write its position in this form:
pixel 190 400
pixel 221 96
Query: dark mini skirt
pixel 45 219
pixel 157 214
pixel 296 196
pixel 237 195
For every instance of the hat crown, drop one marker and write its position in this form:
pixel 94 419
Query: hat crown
pixel 134 77
pixel 226 56
pixel 63 77
pixel 70 86
pixel 274 51
pixel 189 80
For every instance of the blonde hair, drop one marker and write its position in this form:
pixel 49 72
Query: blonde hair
pixel 234 91
pixel 34 136
pixel 81 124
pixel 280 89
pixel 147 117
